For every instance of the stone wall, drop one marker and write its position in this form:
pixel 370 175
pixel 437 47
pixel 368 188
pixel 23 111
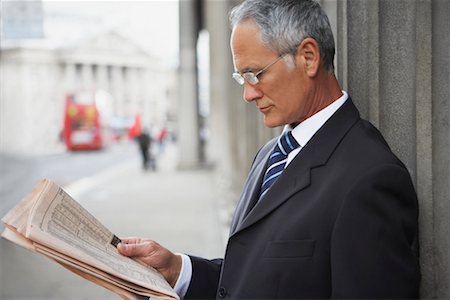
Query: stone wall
pixel 393 58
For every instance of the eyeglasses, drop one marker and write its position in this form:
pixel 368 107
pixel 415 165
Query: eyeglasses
pixel 251 77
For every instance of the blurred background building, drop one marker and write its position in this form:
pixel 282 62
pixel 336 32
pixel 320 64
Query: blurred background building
pixel 47 57
pixel 392 58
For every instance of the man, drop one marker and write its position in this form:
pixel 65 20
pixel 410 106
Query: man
pixel 144 141
pixel 336 215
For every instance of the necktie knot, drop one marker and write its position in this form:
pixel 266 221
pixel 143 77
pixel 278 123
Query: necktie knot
pixel 277 159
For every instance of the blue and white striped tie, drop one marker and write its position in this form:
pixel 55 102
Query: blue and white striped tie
pixel 277 160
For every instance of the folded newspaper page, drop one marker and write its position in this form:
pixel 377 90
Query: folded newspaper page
pixel 48 221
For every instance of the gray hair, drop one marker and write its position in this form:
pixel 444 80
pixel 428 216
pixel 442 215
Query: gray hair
pixel 284 24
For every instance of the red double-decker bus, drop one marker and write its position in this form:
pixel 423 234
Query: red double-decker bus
pixel 82 125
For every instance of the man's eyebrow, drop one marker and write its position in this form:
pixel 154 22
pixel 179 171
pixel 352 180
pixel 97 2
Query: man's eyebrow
pixel 245 70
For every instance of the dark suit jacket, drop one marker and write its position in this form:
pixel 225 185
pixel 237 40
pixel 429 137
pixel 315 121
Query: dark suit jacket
pixel 340 222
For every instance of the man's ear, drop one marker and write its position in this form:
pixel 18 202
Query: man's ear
pixel 309 53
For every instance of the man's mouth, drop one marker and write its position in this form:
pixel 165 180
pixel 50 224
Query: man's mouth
pixel 265 108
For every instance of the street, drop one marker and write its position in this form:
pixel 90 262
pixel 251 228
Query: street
pixel 178 209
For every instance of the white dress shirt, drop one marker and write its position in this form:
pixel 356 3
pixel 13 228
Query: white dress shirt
pixel 303 132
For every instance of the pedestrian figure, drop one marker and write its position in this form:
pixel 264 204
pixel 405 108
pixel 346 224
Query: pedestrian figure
pixel 145 142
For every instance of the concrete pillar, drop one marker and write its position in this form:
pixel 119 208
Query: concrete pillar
pixel 376 64
pixel 102 78
pixel 362 47
pixel 397 78
pixel 145 81
pixel 26 126
pixel 220 65
pixel 394 60
pixel 331 7
pixel 70 77
pixel 117 90
pixel 188 130
pixel 86 77
pixel 341 40
pixel 125 85
pixel 441 144
pixel 4 108
pixel 424 133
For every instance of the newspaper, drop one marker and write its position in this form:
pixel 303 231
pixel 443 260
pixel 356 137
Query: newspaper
pixel 48 221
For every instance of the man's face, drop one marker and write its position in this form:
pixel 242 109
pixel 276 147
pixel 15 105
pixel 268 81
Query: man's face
pixel 282 92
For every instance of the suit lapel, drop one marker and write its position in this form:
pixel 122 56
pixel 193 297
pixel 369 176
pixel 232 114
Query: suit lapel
pixel 252 186
pixel 297 175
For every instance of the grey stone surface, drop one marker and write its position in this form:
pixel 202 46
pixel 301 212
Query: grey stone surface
pixel 188 118
pixel 424 130
pixel 441 144
pixel 397 78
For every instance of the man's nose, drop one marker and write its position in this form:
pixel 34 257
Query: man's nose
pixel 251 92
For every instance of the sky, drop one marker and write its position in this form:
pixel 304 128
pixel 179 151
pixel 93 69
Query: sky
pixel 151 24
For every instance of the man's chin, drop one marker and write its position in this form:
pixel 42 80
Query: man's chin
pixel 270 123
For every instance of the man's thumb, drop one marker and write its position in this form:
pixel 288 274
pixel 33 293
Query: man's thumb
pixel 125 249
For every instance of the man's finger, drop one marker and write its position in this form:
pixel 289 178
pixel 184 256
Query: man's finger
pixel 130 249
pixel 123 248
pixel 131 240
pixel 137 249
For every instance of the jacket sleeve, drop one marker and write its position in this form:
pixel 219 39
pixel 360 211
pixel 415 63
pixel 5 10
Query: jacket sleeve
pixel 374 248
pixel 205 278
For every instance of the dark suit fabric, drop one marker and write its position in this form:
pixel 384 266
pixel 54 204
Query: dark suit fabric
pixel 340 222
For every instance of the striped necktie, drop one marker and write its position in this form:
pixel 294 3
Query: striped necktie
pixel 277 160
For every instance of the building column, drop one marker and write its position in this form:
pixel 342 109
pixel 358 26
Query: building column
pixel 70 75
pixel 397 78
pixel 145 81
pixel 424 148
pixel 188 124
pixel 117 90
pixel 102 78
pixel 393 58
pixel 86 77
pixel 441 144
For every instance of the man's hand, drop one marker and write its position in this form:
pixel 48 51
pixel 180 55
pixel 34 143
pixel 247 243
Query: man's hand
pixel 152 254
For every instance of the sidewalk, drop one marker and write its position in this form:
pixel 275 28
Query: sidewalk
pixel 178 209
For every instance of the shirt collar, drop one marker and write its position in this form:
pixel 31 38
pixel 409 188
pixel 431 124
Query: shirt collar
pixel 304 131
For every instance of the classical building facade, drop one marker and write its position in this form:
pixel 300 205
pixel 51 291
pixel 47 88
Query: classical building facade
pixel 36 76
pixel 393 59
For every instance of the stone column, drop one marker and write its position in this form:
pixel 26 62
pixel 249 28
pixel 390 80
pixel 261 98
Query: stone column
pixel 220 65
pixel 146 80
pixel 126 102
pixel 102 78
pixel 188 124
pixel 117 90
pixel 424 133
pixel 330 7
pixel 363 49
pixel 441 144
pixel 393 57
pixel 86 77
pixel 70 78
pixel 397 78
